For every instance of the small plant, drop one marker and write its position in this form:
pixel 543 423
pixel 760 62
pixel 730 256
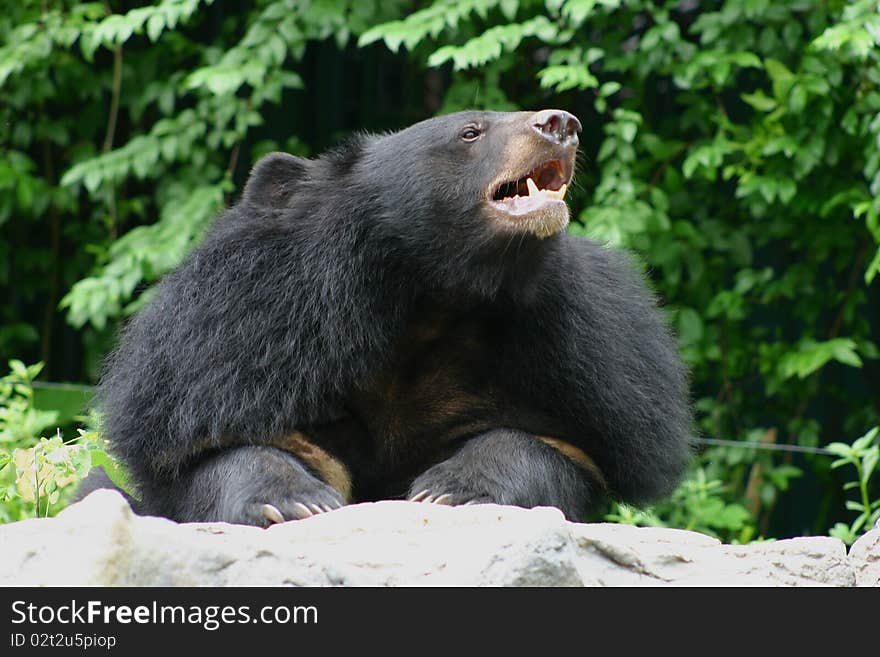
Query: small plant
pixel 38 475
pixel 20 421
pixel 44 472
pixel 863 454
pixel 697 505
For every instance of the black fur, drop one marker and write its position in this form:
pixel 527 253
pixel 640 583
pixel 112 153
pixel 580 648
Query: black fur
pixel 506 466
pixel 371 287
pixel 251 476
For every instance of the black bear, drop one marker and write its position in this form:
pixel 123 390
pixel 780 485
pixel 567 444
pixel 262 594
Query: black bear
pixel 404 316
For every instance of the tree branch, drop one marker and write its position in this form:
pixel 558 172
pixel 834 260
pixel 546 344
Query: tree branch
pixel 52 294
pixel 110 132
pixel 114 99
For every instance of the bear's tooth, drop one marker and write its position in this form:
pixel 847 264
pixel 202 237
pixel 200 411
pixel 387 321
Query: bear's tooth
pixel 533 188
pixel 558 194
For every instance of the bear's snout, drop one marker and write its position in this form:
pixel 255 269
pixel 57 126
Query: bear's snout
pixel 557 126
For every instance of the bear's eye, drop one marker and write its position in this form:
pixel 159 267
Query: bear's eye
pixel 471 133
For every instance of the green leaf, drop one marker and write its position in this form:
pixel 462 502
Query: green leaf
pixel 564 77
pixel 628 131
pixel 19 370
pixel 859 523
pixel 873 268
pixel 869 464
pixel 427 22
pixel 760 101
pixel 492 43
pixel 864 442
pixel 509 8
pixel 843 533
pixel 840 449
pixel 114 470
pixel 155 26
pixel 810 356
pixel 745 59
pixel 797 99
pixel 690 327
pixel 609 89
pixel 781 77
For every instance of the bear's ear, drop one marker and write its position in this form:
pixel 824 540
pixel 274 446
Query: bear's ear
pixel 274 179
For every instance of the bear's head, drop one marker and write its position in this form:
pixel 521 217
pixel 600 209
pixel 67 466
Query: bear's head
pixel 465 196
pixel 506 172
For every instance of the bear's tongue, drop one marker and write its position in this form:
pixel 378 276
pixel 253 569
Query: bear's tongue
pixel 536 198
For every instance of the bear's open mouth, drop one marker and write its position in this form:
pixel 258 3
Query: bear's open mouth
pixel 545 183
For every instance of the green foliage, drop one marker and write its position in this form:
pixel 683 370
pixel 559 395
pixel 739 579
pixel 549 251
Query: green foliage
pixel 20 421
pixel 863 454
pixel 733 146
pixel 143 254
pixel 489 46
pixel 697 505
pixel 38 474
pixel 811 356
pixel 432 21
pixel 42 474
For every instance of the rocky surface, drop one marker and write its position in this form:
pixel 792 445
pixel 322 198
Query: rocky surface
pixel 100 542
pixel 864 558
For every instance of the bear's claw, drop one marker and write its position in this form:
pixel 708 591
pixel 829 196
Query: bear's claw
pixel 427 497
pixel 272 514
pixel 418 497
pixel 301 511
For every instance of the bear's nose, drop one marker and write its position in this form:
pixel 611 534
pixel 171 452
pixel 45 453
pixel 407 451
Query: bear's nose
pixel 557 126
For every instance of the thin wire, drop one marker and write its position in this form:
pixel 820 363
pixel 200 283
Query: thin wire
pixel 767 446
pixel 718 442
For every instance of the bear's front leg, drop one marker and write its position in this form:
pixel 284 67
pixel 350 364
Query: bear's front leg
pixel 505 466
pixel 252 485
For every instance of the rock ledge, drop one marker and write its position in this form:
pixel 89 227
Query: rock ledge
pixel 99 541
